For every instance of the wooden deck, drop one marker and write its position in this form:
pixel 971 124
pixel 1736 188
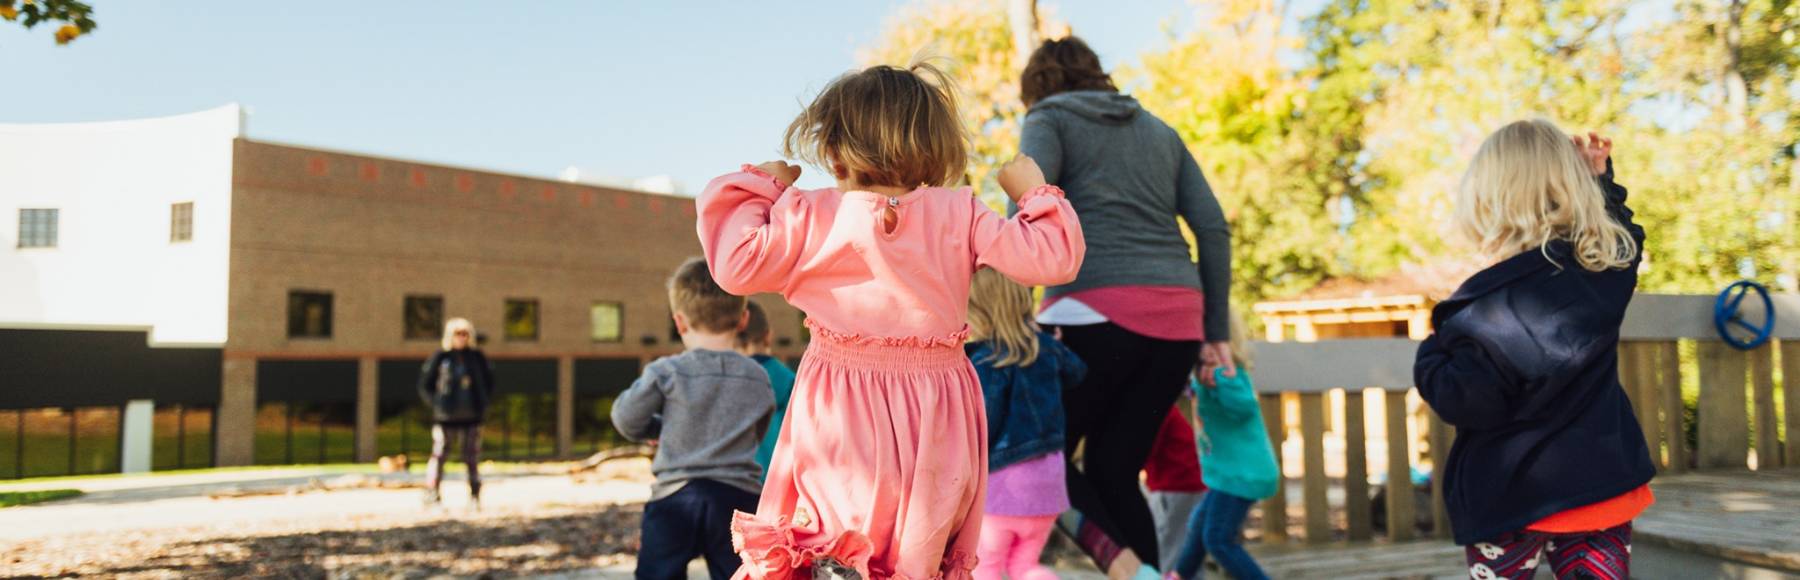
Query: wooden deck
pixel 1363 561
pixel 1747 517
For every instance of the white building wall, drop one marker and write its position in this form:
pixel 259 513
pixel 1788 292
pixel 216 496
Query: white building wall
pixel 114 184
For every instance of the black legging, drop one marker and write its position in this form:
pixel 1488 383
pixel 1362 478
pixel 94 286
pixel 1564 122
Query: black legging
pixel 1132 381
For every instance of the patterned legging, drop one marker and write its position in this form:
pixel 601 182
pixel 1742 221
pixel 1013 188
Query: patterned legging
pixel 1602 555
pixel 441 436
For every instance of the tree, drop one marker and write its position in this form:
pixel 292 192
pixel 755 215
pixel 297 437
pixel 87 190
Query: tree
pixel 976 42
pixel 77 18
pixel 1718 159
pixel 1223 88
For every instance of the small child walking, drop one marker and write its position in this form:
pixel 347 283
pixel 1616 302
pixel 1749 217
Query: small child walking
pixel 881 466
pixel 754 341
pixel 1237 462
pixel 1549 462
pixel 1023 373
pixel 707 408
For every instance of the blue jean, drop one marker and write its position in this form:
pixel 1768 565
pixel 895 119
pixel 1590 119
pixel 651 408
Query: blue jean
pixel 1217 527
pixel 692 522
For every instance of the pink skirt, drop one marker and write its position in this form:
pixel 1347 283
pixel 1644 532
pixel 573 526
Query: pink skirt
pixel 881 464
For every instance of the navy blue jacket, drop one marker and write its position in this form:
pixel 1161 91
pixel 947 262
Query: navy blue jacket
pixel 1024 404
pixel 1525 364
pixel 457 385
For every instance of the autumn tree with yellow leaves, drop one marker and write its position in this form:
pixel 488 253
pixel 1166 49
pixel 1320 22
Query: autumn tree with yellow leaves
pixel 76 18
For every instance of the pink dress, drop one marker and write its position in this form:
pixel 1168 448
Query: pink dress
pixel 881 463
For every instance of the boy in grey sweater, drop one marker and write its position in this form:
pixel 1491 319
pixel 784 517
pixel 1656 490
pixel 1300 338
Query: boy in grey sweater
pixel 708 408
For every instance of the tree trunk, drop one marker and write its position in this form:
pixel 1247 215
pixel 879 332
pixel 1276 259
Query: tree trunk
pixel 1022 16
pixel 1737 93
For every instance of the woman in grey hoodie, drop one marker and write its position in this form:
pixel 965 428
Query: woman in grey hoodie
pixel 1141 312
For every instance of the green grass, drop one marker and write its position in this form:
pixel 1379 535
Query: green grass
pixel 332 467
pixel 18 498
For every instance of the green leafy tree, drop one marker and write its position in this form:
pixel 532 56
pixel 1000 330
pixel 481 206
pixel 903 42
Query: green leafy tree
pixel 1221 85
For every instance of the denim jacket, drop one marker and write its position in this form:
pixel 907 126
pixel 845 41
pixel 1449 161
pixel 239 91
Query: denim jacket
pixel 1024 404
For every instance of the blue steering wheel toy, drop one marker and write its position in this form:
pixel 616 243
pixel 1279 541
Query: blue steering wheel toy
pixel 1734 327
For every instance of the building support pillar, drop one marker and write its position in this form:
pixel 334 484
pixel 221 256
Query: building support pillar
pixel 565 405
pixel 368 407
pixel 235 440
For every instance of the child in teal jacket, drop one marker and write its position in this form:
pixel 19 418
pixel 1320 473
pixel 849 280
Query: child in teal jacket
pixel 1237 462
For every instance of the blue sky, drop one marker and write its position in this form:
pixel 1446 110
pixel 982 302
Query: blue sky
pixel 626 89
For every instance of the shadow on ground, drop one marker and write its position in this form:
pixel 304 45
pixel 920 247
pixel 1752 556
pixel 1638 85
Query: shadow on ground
pixel 496 547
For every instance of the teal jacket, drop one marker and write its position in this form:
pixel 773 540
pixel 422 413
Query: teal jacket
pixel 782 380
pixel 1235 454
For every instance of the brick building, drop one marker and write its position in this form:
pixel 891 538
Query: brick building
pixel 276 301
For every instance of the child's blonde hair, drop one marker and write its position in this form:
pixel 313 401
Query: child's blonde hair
pixel 1000 310
pixel 1528 186
pixel 886 126
pixel 1241 354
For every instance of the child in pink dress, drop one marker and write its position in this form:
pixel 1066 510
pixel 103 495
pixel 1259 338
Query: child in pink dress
pixel 881 466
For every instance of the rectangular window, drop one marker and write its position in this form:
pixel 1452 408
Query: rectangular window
pixel 522 319
pixel 424 317
pixel 309 314
pixel 37 228
pixel 608 321
pixel 181 222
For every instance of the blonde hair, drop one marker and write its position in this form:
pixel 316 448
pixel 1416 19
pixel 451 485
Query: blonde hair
pixel 1529 186
pixel 1241 351
pixel 1000 310
pixel 453 325
pixel 707 307
pixel 886 126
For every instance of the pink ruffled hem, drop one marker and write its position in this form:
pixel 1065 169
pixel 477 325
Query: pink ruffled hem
pixel 754 170
pixel 771 552
pixel 952 340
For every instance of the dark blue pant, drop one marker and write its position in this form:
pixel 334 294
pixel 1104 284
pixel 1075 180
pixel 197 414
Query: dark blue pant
pixel 1217 527
pixel 692 522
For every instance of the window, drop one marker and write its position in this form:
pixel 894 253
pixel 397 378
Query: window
pixel 181 222
pixel 309 314
pixel 608 321
pixel 424 317
pixel 37 228
pixel 521 319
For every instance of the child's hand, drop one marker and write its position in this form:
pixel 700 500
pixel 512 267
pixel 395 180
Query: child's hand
pixel 1019 176
pixel 782 171
pixel 1595 149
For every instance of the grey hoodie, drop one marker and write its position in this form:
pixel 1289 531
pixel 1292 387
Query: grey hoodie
pixel 1128 175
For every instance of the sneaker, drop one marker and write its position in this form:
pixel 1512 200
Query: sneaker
pixel 1145 572
pixel 431 498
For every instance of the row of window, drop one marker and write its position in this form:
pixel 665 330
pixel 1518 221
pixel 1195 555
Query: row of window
pixel 422 317
pixel 38 227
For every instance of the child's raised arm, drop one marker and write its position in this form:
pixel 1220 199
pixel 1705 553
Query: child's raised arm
pixel 1042 244
pixel 752 234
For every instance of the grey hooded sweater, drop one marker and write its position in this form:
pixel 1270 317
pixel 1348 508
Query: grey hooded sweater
pixel 1128 175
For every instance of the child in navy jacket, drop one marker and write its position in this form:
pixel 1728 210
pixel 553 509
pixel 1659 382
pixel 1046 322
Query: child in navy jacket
pixel 1549 460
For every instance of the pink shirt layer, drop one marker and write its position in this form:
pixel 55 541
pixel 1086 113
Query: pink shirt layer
pixel 827 252
pixel 1162 312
